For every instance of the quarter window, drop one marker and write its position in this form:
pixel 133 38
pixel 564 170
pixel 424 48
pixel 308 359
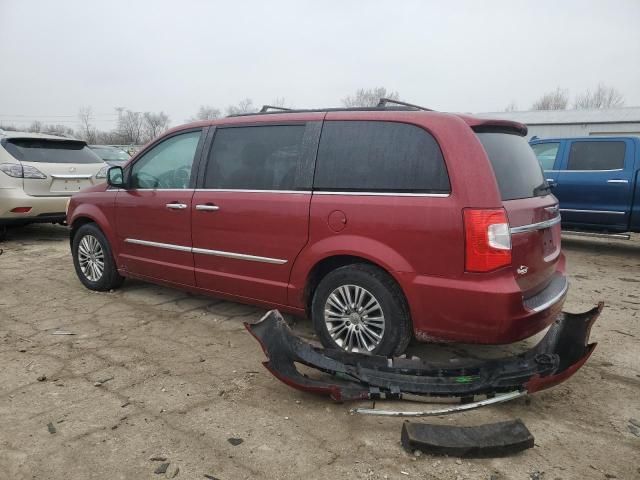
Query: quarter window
pixel 546 153
pixel 379 157
pixel 255 158
pixel 168 164
pixel 596 156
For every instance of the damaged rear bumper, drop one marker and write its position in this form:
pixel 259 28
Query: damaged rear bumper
pixel 354 376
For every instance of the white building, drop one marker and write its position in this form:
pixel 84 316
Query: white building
pixel 575 123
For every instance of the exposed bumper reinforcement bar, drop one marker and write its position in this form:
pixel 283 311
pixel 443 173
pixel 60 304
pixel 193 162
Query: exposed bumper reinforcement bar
pixel 355 376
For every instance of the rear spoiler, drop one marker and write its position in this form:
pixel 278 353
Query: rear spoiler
pixel 490 125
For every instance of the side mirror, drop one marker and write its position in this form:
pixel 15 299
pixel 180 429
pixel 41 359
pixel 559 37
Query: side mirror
pixel 115 177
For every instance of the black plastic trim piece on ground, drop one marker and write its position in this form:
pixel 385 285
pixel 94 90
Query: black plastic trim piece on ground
pixel 357 376
pixel 482 441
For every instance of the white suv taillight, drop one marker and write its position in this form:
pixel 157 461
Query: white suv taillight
pixel 487 239
pixel 17 170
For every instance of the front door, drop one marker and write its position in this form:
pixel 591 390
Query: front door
pixel 595 184
pixel 251 219
pixel 153 215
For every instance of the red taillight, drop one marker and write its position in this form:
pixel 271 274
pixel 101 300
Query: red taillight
pixel 487 239
pixel 21 210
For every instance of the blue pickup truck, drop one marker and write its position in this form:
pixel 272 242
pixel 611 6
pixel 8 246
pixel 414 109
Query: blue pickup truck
pixel 596 179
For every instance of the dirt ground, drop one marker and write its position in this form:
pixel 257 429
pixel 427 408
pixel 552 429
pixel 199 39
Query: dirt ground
pixel 156 372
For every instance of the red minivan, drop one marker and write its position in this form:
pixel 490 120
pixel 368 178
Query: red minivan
pixel 380 224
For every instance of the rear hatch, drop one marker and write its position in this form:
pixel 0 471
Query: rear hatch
pixel 532 210
pixel 69 165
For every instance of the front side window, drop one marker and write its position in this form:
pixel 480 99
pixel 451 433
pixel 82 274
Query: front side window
pixel 255 158
pixel 596 156
pixel 372 156
pixel 168 164
pixel 546 153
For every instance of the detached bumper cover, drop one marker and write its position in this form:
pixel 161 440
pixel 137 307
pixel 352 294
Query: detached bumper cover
pixel 354 376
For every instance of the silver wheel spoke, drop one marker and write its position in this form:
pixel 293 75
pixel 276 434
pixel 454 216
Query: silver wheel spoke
pixel 346 316
pixel 91 258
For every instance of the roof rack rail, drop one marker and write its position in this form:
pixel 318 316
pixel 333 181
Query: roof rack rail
pixel 266 108
pixel 383 103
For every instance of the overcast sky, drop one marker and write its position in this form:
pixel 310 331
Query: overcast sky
pixel 473 56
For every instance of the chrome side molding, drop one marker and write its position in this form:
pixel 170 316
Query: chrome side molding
pixel 204 251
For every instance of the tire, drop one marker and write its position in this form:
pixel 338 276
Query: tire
pixel 361 283
pixel 89 246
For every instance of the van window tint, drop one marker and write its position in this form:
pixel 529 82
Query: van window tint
pixel 546 154
pixel 379 157
pixel 596 156
pixel 255 158
pixel 516 168
pixel 43 150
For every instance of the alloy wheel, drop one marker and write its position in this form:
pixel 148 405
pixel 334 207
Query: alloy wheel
pixel 91 258
pixel 354 318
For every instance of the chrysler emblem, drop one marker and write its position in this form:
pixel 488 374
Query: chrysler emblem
pixel 522 269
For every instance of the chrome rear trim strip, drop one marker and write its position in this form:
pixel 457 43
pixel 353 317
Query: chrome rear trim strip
pixel 612 212
pixel 536 226
pixel 70 177
pixel 204 251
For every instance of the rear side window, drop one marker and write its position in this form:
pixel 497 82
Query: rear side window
pixel 379 157
pixel 41 150
pixel 516 167
pixel 546 154
pixel 255 158
pixel 596 156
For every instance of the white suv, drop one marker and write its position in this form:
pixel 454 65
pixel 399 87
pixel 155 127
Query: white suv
pixel 38 174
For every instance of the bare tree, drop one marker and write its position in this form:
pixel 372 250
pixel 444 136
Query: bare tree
pixel 244 106
pixel 130 126
pixel 512 107
pixel 556 100
pixel 60 130
pixel 154 124
pixel 35 127
pixel 369 97
pixel 602 97
pixel 87 130
pixel 206 112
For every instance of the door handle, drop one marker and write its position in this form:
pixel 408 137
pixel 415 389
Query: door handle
pixel 207 207
pixel 615 180
pixel 177 206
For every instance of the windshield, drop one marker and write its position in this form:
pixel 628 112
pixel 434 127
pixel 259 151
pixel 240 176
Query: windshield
pixel 515 165
pixel 111 154
pixel 42 150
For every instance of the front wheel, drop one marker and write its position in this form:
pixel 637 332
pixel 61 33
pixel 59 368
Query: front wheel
pixel 93 260
pixel 360 308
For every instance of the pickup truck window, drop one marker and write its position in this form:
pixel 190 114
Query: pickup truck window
pixel 596 156
pixel 546 153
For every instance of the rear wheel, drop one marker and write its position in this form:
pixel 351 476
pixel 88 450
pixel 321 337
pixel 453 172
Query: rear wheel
pixel 93 260
pixel 360 308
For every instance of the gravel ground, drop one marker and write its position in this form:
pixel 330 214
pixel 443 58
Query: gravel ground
pixel 153 373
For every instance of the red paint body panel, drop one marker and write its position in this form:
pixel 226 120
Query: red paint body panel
pixel 264 224
pixel 419 240
pixel 144 215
